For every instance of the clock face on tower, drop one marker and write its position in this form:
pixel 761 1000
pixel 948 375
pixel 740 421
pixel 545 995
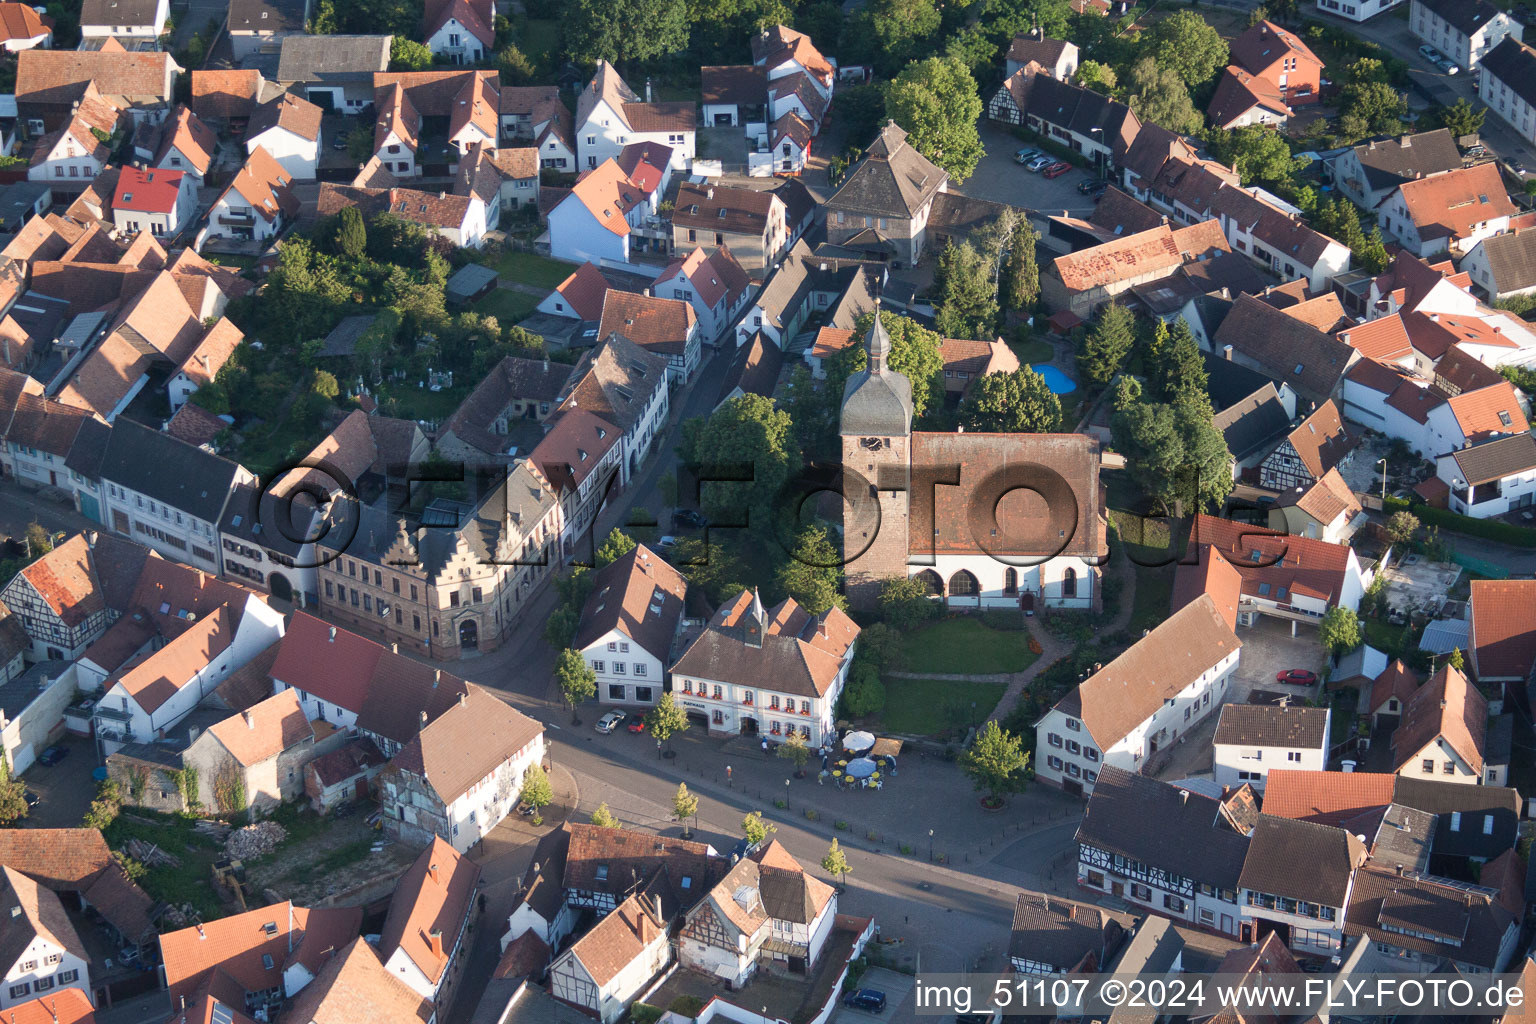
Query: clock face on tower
pixel 872 443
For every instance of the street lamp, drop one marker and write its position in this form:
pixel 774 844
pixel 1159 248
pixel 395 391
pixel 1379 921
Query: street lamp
pixel 930 846
pixel 786 794
pixel 658 750
pixel 1383 464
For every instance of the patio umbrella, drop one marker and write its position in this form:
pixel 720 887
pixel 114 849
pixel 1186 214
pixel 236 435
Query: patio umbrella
pixel 862 768
pixel 858 742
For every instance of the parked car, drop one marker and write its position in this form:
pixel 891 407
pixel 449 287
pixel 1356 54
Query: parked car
pixel 869 999
pixel 1449 66
pixel 1430 54
pixel 32 799
pixel 1024 156
pixel 638 725
pixel 1092 186
pixel 609 722
pixel 669 541
pixel 52 756
pixel 1296 677
pixel 1039 164
pixel 685 517
pixel 1056 169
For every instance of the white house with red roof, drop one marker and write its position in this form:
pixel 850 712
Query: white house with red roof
pixel 460 31
pixel 789 60
pixel 75 153
pixel 160 202
pixel 768 671
pixel 713 283
pixel 288 127
pixel 1501 638
pixel 594 222
pixel 648 165
pixel 610 116
pixel 258 202
pixel 1451 211
pixel 22 28
pixel 578 297
pixel 188 145
pixel 422 942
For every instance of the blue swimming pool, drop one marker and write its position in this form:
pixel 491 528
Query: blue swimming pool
pixel 1058 382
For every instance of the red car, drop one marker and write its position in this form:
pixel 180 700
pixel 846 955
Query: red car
pixel 638 725
pixel 1296 677
pixel 1056 169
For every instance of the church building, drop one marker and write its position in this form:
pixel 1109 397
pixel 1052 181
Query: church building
pixel 986 520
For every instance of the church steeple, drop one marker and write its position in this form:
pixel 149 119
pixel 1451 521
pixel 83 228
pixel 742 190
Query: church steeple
pixel 877 401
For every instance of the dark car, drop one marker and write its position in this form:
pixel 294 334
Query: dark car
pixel 32 799
pixel 52 756
pixel 1092 186
pixel 870 999
pixel 1296 677
pixel 688 517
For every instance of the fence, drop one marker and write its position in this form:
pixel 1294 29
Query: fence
pixel 1480 566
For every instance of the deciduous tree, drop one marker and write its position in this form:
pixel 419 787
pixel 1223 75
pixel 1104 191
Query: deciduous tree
pixel 755 829
pixel 813 570
pixel 603 817
pixel 1160 96
pixel 685 805
pixel 1185 43
pixel 914 354
pixel 996 762
pixel 1017 403
pixel 536 792
pixel 1339 630
pixel 615 547
pixel 936 101
pixel 13 793
pixel 1462 118
pixel 405 54
pixel 906 604
pixel 666 720
pixel 835 863
pixel 967 307
pixel 746 430
pixel 624 32
pixel 1021 274
pixel 576 679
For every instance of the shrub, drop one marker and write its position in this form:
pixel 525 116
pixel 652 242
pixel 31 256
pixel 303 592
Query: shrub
pixel 1488 529
pixel 1003 621
pixel 811 814
pixel 842 826
pixel 904 849
pixel 644 1013
pixel 781 803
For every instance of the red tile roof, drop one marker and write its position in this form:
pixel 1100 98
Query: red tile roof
pixel 1160 248
pixel 1449 709
pixel 50 76
pixel 224 94
pixel 1327 798
pixel 1449 205
pixel 147 191
pixel 355 988
pixel 435 894
pixel 251 948
pixel 467 743
pixel 1321 440
pixel 1384 339
pixel 191 138
pixel 1238 92
pixel 645 163
pixel 265 730
pixel 64 1006
pixel 63 859
pixel 608 195
pixel 160 676
pixel 584 290
pixel 330 662
pixel 1503 630
pixel 1212 575
pixel 65 580
pixel 1265 44
pixel 19 22
pixel 658 325
pixel 1283 563
pixel 1488 411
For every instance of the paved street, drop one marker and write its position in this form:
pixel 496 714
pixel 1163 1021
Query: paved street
pixel 1000 179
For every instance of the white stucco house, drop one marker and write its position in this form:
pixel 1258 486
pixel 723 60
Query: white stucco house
pixel 1448 212
pixel 607 968
pixel 460 31
pixel 610 116
pixel 44 951
pixel 714 284
pixel 723 680
pixel 288 128
pixel 430 914
pixel 1463 31
pixel 629 626
pixel 593 223
pixel 129 21
pixel 1490 478
pixel 1253 738
pixel 160 202
pixel 258 203
pixel 78 151
pixel 1508 85
pixel 1166 684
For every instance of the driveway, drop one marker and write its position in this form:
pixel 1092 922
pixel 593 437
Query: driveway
pixel 1269 648
pixel 66 789
pixel 1001 180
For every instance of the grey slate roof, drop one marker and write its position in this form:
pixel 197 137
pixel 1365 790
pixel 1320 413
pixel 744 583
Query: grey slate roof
pixel 344 336
pixel 877 402
pixel 171 471
pixel 1404 837
pixel 1511 259
pixel 1514 64
pixel 892 180
pixel 332 58
pixel 1078 109
pixel 1496 459
pixel 1062 933
pixel 1261 725
pixel 1253 423
pixel 1279 845
pixel 1472 802
pixel 267 17
pixel 1390 162
pixel 128 13
pixel 89 449
pixel 1157 824
pixel 1464 16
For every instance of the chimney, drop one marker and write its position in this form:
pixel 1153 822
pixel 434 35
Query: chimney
pixel 1183 796
pixel 709 193
pixel 432 873
pixel 1407 141
pixel 464 698
pixel 1226 352
pixel 250 723
pixel 442 195
pixel 423 719
pixel 647 90
pixel 333 634
pixel 435 936
pixel 394 647
pixel 1497 329
pixel 90 540
pixel 656 908
pixel 1071 911
pixel 437 677
pixel 200 933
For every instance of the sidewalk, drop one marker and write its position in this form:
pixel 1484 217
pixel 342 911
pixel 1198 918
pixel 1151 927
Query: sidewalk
pixel 925 794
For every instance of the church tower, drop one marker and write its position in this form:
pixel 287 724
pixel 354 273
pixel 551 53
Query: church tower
pixel 876 428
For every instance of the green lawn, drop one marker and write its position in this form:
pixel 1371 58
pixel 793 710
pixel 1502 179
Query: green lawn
pixel 965 646
pixel 506 306
pixel 923 707
pixel 538 271
pixel 1154 596
pixel 1385 637
pixel 190 882
pixel 1033 351
pixel 421 404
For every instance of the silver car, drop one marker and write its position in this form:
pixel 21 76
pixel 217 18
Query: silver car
pixel 1039 164
pixel 609 722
